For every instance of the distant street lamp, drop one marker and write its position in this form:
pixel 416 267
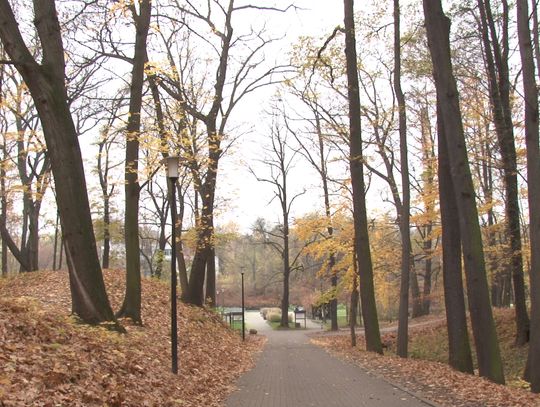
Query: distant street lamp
pixel 243 307
pixel 172 175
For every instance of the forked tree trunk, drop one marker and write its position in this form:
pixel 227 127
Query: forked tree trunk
pixel 205 228
pixel 160 123
pixel 367 289
pixel 485 335
pixel 499 89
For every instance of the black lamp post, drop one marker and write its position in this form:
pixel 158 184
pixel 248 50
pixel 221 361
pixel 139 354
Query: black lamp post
pixel 243 307
pixel 223 301
pixel 172 175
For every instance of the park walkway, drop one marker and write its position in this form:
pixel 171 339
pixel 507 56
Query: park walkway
pixel 291 372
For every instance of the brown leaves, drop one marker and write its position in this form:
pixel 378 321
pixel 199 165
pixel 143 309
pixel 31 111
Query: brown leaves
pixel 47 358
pixel 434 381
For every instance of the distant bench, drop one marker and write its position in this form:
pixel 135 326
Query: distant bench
pixel 300 315
pixel 232 317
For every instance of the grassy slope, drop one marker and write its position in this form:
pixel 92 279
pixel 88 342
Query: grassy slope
pixel 47 357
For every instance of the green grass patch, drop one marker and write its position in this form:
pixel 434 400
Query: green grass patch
pixel 237 326
pixel 275 325
pixel 342 318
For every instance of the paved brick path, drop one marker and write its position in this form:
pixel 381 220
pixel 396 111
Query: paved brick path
pixel 293 373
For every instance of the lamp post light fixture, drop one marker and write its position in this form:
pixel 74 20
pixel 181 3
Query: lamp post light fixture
pixel 172 175
pixel 243 307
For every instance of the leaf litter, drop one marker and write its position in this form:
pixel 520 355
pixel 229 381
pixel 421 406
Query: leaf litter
pixel 48 359
pixel 434 381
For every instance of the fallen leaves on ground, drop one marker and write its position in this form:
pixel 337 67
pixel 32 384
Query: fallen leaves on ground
pixel 432 380
pixel 47 358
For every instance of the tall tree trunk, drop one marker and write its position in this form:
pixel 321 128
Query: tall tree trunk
pixel 367 289
pixel 533 175
pixel 4 203
pixel 285 254
pixel 205 247
pixel 404 224
pixel 487 345
pixel 329 228
pixel 22 156
pixel 285 299
pixel 354 301
pixel 47 87
pixel 211 278
pixel 181 260
pixel 205 226
pixel 459 349
pixel 162 243
pixel 416 294
pixel 536 37
pixel 195 293
pixel 499 87
pixel 105 258
pixel 428 178
pixel 3 189
pixel 56 237
pixel 131 307
pixel 62 248
pixel 428 271
pixel 24 236
pixel 33 236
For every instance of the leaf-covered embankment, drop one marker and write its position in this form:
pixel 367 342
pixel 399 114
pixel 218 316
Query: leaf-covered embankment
pixel 435 381
pixel 47 358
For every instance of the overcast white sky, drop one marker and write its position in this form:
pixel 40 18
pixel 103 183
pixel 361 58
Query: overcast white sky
pixel 241 199
pixel 246 199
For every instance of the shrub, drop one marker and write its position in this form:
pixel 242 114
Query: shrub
pixel 266 311
pixel 273 316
